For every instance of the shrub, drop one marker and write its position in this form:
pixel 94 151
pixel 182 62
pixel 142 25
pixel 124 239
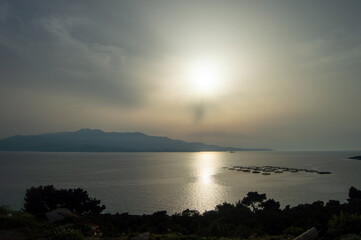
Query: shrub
pixel 345 223
pixel 18 219
pixel 4 210
pixel 62 233
pixel 39 200
pixel 294 231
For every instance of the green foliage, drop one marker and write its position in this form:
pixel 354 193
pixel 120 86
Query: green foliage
pixel 39 200
pixel 63 233
pixel 236 220
pixel 294 231
pixel 229 221
pixel 4 210
pixel 345 223
pixel 11 219
pixel 177 236
pixel 351 237
pixel 85 229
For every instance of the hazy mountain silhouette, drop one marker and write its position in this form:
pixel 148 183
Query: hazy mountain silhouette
pixel 95 140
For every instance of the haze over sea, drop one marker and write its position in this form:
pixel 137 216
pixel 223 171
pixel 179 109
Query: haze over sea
pixel 147 182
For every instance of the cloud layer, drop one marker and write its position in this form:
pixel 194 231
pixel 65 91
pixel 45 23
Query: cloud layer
pixel 291 70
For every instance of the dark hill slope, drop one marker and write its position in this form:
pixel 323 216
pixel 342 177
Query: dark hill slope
pixel 88 140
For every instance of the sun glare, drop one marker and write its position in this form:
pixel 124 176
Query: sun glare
pixel 205 162
pixel 205 77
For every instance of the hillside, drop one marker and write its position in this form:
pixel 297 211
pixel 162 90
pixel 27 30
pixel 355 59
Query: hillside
pixel 95 140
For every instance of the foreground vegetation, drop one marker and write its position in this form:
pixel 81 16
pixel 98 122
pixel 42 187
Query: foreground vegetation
pixel 253 217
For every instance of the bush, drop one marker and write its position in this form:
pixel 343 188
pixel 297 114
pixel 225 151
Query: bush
pixel 294 231
pixel 18 219
pixel 354 193
pixel 345 223
pixel 62 233
pixel 39 200
pixel 4 210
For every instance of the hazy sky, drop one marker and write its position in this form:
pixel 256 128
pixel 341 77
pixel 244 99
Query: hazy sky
pixel 275 74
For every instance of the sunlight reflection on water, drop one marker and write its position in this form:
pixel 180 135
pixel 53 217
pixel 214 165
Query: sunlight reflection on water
pixel 147 182
pixel 205 165
pixel 206 192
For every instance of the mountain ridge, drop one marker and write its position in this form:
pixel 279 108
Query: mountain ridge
pixel 96 140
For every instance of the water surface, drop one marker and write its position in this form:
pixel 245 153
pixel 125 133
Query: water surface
pixel 147 182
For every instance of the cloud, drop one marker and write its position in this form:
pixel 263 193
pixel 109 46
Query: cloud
pixel 120 65
pixel 338 50
pixel 59 53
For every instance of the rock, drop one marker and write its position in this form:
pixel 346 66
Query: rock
pixel 58 215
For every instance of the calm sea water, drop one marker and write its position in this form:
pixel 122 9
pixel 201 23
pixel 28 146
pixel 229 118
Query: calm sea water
pixel 147 182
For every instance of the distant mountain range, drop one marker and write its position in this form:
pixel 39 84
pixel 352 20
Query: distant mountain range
pixel 95 140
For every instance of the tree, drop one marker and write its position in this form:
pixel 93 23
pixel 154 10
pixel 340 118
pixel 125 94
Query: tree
pixel 254 200
pixel 270 204
pixel 353 194
pixel 39 200
pixel 225 207
pixel 190 213
pixel 354 200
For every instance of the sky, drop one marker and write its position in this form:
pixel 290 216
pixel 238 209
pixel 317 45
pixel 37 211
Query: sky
pixel 273 74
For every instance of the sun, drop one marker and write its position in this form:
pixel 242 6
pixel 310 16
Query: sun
pixel 205 76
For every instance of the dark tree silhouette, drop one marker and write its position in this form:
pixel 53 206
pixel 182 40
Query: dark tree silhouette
pixel 190 213
pixel 332 220
pixel 254 200
pixel 354 200
pixel 270 204
pixel 353 194
pixel 224 207
pixel 39 200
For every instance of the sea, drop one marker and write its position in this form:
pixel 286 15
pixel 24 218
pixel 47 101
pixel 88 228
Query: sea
pixel 143 183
